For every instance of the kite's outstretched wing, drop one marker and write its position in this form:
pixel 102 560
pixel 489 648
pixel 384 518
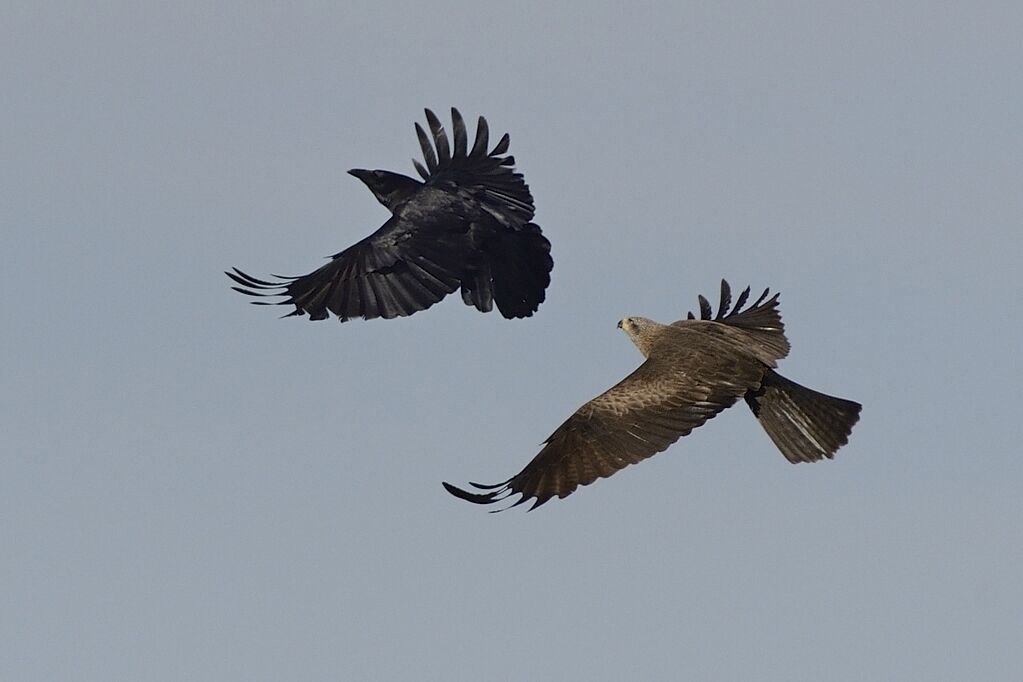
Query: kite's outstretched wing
pixel 641 416
pixel 761 321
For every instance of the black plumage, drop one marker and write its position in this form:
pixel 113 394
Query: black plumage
pixel 467 224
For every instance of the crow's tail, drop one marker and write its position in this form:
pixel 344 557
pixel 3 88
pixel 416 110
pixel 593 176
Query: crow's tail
pixel 520 265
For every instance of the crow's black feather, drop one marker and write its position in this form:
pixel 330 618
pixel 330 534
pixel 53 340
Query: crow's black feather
pixel 467 225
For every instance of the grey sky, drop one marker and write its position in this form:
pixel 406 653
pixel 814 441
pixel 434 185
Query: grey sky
pixel 194 489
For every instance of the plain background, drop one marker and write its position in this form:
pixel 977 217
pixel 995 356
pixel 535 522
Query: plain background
pixel 193 489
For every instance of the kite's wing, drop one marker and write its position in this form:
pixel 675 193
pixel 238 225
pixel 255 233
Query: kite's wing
pixel 663 400
pixel 765 331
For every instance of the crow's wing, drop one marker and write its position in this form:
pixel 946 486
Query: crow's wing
pixel 397 271
pixel 488 176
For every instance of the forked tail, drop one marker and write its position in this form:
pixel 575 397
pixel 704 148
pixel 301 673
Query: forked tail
pixel 805 425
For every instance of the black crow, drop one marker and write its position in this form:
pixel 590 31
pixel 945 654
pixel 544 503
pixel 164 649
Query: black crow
pixel 467 225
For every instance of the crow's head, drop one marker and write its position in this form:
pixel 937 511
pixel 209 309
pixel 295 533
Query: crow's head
pixel 389 188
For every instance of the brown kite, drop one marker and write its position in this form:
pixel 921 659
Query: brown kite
pixel 694 369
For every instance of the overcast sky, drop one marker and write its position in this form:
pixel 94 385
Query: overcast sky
pixel 194 489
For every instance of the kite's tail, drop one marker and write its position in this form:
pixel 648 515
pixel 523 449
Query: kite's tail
pixel 805 425
pixel 520 264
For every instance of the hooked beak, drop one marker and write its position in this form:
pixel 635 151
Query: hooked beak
pixel 620 323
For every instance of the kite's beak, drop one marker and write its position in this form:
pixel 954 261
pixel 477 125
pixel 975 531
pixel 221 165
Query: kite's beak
pixel 620 323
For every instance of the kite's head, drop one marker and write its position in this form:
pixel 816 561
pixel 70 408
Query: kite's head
pixel 389 188
pixel 641 331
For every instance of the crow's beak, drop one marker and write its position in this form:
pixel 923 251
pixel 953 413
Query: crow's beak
pixel 360 173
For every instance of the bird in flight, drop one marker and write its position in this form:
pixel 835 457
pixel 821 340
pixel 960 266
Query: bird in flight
pixel 694 369
pixel 466 225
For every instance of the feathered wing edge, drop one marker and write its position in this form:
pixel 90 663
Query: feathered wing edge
pixel 252 286
pixel 498 492
pixel 361 282
pixel 505 191
pixel 478 157
pixel 443 157
pixel 761 320
pixel 485 498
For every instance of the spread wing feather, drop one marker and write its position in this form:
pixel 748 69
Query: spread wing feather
pixel 428 155
pixel 369 279
pixel 490 175
pixel 439 139
pixel 760 323
pixel 461 137
pixel 639 417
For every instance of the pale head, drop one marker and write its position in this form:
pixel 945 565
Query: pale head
pixel 642 332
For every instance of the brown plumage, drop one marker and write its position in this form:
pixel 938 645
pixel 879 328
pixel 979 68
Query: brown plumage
pixel 694 369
